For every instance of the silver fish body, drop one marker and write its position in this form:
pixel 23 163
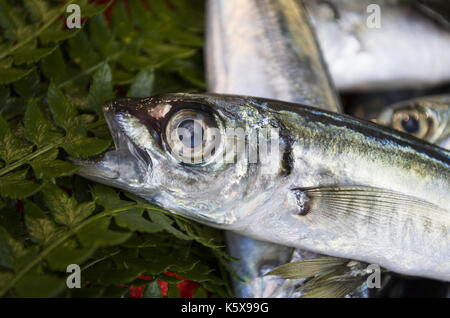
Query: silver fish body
pixel 425 117
pixel 408 49
pixel 255 259
pixel 264 48
pixel 340 186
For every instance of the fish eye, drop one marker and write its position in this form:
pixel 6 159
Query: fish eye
pixel 411 121
pixel 192 136
pixel 192 126
pixel 410 124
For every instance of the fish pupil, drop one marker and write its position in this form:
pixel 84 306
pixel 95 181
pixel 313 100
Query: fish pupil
pixel 410 124
pixel 193 127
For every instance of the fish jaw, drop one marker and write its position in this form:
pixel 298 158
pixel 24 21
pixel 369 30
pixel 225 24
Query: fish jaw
pixel 126 166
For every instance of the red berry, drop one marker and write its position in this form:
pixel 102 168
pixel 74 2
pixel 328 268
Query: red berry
pixel 136 291
pixel 187 288
pixel 163 286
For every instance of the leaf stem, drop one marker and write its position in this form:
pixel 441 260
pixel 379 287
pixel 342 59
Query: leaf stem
pixel 58 242
pixel 100 260
pixel 92 68
pixel 28 158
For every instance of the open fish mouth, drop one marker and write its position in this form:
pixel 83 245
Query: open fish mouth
pixel 126 163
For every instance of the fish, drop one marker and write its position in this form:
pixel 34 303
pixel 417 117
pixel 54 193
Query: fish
pixel 426 117
pixel 401 52
pixel 430 116
pixel 264 48
pixel 254 259
pixel 333 184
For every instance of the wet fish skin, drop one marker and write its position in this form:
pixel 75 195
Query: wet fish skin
pixel 264 48
pixel 257 258
pixel 402 53
pixel 325 155
pixel 436 107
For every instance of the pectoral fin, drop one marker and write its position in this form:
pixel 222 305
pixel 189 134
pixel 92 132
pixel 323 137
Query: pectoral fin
pixel 351 206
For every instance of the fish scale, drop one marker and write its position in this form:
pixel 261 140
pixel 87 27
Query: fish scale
pixel 290 66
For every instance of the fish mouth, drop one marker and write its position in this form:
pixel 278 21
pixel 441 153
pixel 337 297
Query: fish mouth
pixel 119 137
pixel 126 164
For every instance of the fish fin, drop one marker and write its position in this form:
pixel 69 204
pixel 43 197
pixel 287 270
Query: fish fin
pixel 352 206
pixel 327 276
pixel 308 267
pixel 331 287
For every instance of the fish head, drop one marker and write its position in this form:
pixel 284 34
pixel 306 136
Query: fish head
pixel 193 154
pixel 425 118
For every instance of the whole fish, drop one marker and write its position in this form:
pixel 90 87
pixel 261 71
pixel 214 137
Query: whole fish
pixel 405 49
pixel 264 48
pixel 427 118
pixel 337 185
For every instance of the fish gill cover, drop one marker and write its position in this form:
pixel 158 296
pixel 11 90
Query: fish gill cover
pixel 53 83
